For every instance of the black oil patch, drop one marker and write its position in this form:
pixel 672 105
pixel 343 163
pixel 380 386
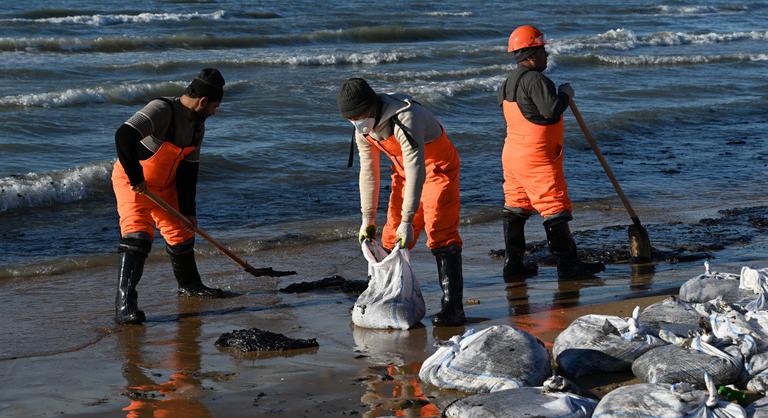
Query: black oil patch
pixel 672 242
pixel 334 282
pixel 254 339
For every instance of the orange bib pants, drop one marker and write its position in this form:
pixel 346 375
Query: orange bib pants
pixel 438 212
pixel 137 213
pixel 532 160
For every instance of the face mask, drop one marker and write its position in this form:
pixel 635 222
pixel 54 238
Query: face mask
pixel 364 126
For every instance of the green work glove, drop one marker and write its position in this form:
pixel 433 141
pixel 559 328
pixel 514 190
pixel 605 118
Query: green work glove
pixel 367 232
pixel 405 234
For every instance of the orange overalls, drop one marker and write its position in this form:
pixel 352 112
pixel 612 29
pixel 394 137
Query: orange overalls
pixel 137 212
pixel 532 160
pixel 439 208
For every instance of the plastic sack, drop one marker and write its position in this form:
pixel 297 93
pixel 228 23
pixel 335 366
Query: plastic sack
pixel 545 401
pixel 595 343
pixel 672 315
pixel 710 285
pixel 393 297
pixel 497 358
pixel 673 364
pixel 649 400
pixel 669 401
pixel 756 281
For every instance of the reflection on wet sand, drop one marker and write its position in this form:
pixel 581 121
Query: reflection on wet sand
pixel 642 276
pixel 392 383
pixel 545 318
pixel 159 396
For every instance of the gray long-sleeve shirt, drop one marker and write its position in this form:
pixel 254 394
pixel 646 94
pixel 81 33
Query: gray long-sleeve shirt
pixel 423 128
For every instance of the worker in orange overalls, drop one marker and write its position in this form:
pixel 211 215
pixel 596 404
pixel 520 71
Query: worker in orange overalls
pixel 425 182
pixel 532 160
pixel 158 149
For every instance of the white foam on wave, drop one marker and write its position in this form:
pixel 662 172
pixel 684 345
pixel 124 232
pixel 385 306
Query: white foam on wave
pixel 447 14
pixel 623 39
pixel 435 91
pixel 106 20
pixel 432 74
pixel 678 59
pixel 121 94
pixel 698 9
pixel 353 58
pixel 47 189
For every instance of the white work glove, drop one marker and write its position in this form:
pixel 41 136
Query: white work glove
pixel 566 89
pixel 367 232
pixel 405 234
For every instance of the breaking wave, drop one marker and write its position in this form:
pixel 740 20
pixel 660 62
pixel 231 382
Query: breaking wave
pixel 641 60
pixel 117 19
pixel 48 189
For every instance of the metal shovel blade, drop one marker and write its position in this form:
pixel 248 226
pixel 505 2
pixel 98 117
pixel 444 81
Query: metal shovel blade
pixel 639 244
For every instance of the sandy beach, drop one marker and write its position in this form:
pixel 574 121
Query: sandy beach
pixel 61 354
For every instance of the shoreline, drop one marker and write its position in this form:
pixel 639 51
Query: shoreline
pixel 171 364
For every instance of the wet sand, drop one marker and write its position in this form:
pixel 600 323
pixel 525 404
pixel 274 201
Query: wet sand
pixel 60 354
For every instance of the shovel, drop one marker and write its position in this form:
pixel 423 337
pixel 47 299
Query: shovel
pixel 258 272
pixel 639 242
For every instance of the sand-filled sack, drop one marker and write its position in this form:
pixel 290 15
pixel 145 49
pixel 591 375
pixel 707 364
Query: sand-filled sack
pixel 496 358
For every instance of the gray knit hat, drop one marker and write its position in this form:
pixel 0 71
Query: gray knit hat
pixel 355 97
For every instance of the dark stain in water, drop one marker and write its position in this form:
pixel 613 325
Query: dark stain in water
pixel 255 339
pixel 672 242
pixel 334 282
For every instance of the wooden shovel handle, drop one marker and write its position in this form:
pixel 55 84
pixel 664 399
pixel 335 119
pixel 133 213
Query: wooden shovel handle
pixel 603 162
pixel 178 215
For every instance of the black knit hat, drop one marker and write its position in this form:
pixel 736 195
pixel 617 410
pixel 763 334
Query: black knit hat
pixel 209 83
pixel 355 97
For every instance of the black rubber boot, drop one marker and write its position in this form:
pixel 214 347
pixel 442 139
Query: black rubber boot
pixel 563 247
pixel 452 283
pixel 185 271
pixel 515 269
pixel 134 253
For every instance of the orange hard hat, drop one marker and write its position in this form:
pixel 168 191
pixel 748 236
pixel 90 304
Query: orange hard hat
pixel 525 36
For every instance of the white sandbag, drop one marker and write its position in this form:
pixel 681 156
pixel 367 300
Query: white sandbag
pixel 673 364
pixel 655 400
pixel 647 400
pixel 758 409
pixel 393 297
pixel 710 285
pixel 672 315
pixel 497 358
pixel 756 281
pixel 595 343
pixel 759 383
pixel 545 401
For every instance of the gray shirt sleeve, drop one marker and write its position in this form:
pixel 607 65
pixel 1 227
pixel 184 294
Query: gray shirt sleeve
pixel 370 180
pixel 152 120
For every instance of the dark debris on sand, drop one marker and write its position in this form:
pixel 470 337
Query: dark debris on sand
pixel 672 242
pixel 255 339
pixel 333 282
